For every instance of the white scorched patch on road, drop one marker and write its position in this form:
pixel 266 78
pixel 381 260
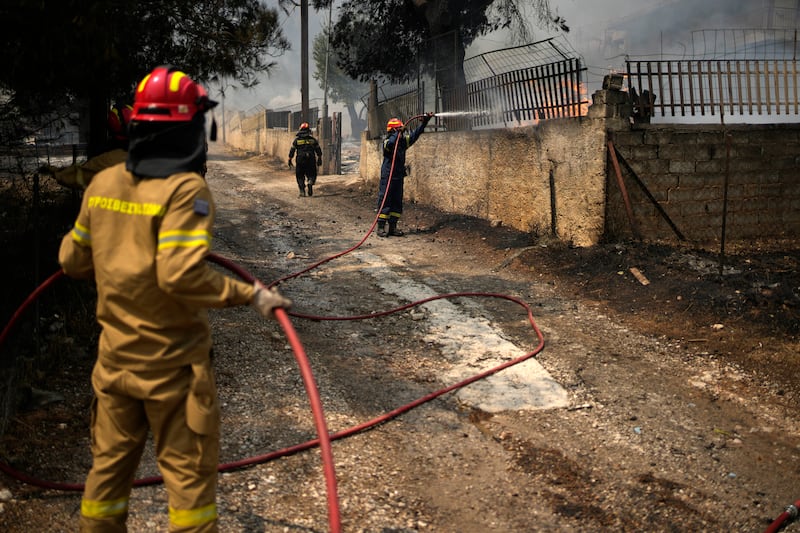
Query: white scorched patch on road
pixel 472 345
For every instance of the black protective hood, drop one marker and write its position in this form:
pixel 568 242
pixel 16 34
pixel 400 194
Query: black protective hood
pixel 160 149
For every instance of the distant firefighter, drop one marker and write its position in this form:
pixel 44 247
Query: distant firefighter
pixel 306 147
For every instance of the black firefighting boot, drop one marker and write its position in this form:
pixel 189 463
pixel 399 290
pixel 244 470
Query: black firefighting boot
pixel 302 191
pixel 311 189
pixel 393 228
pixel 382 228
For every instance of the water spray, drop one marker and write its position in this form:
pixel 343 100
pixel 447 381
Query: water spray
pixel 454 114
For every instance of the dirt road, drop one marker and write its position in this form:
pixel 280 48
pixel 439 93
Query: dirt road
pixel 648 421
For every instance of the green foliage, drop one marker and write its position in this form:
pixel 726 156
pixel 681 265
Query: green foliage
pixel 389 38
pixel 341 87
pixel 55 51
pixel 378 39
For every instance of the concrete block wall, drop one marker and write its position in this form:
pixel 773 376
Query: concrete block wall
pixel 686 169
pixel 514 176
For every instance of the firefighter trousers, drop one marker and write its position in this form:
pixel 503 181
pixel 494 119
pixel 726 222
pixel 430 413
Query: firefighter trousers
pixel 179 406
pixel 305 172
pixel 393 206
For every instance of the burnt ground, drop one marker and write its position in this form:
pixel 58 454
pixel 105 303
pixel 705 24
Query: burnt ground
pixel 743 304
pixel 680 383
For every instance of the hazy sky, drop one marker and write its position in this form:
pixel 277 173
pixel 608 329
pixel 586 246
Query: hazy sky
pixel 282 87
pixel 586 18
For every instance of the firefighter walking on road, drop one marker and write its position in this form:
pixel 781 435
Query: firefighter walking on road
pixel 308 153
pixel 143 233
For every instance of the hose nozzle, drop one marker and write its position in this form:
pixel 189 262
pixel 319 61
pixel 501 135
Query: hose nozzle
pixel 792 511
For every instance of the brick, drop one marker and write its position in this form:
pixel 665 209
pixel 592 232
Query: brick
pixel 643 153
pixel 689 208
pixel 685 138
pixel 650 168
pixel 661 182
pixel 681 167
pixel 676 152
pixel 787 162
pixel 710 167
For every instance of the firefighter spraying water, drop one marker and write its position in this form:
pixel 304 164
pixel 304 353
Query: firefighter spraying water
pixel 393 173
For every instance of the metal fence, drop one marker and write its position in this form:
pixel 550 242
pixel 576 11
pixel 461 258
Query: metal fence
pixel 509 87
pixel 525 96
pixel 728 72
pixel 289 117
pixel 722 87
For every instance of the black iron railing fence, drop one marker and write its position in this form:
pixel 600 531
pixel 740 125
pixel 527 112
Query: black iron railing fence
pixel 722 87
pixel 519 97
pixel 523 96
pixel 509 87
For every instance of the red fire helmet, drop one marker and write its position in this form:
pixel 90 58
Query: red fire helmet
pixel 169 95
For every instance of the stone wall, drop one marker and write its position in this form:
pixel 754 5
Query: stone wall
pixel 556 178
pixel 249 134
pixel 511 176
pixel 686 168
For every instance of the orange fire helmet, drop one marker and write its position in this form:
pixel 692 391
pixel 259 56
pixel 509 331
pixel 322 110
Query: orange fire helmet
pixel 394 124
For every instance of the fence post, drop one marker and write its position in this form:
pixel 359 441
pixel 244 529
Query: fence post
pixel 373 127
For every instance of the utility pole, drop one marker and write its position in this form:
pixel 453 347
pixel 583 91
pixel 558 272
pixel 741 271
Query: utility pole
pixel 326 128
pixel 304 59
pixel 222 87
pixel 327 59
pixel 222 92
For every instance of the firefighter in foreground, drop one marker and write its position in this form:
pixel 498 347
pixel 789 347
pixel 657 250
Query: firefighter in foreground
pixel 143 233
pixel 394 166
pixel 306 147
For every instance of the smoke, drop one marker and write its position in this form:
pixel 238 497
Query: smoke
pixel 606 32
pixel 603 33
pixel 281 87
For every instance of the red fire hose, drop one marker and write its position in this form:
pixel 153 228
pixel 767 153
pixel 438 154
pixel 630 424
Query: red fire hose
pixel 310 384
pixel 325 437
pixel 324 440
pixel 784 518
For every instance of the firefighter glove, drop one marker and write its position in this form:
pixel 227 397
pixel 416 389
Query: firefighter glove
pixel 266 300
pixel 319 161
pixel 290 163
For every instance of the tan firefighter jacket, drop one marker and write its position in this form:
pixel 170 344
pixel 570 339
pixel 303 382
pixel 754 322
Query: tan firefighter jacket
pixel 145 241
pixel 79 176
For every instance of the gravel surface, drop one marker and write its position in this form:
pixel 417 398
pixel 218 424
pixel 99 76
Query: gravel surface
pixel 644 411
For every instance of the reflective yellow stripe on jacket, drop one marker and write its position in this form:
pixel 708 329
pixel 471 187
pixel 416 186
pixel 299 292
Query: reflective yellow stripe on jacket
pixel 103 508
pixel 193 517
pixel 177 238
pixel 81 235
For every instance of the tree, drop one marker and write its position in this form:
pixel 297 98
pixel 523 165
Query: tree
pixel 401 34
pixel 58 54
pixel 341 87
